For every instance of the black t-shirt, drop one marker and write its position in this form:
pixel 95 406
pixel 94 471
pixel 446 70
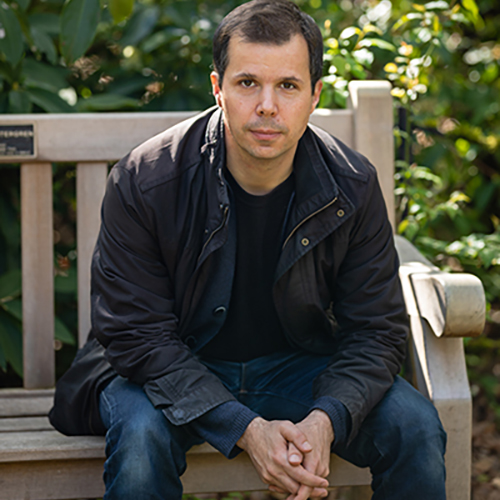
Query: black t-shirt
pixel 252 327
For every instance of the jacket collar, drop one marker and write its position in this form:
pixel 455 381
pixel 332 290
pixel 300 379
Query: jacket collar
pixel 315 185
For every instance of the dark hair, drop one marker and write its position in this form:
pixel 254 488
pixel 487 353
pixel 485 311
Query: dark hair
pixel 271 22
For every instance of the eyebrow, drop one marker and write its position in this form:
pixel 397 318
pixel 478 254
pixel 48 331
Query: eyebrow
pixel 251 76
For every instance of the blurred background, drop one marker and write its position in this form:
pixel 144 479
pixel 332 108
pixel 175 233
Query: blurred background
pixel 442 58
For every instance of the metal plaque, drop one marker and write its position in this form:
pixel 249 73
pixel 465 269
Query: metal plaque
pixel 17 142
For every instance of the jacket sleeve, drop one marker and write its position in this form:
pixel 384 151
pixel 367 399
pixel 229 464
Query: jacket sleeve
pixel 369 308
pixel 133 309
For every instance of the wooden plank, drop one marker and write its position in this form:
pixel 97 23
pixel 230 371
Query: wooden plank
pixel 25 424
pixel 90 187
pixel 21 402
pixel 371 102
pixel 95 137
pixel 205 473
pixel 38 275
pixel 50 480
pixel 48 445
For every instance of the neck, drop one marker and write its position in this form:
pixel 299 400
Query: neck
pixel 259 176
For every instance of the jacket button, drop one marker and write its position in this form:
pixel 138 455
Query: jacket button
pixel 305 241
pixel 219 311
pixel 340 213
pixel 191 342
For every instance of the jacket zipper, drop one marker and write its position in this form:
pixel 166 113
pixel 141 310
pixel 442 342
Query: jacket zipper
pixel 217 229
pixel 306 219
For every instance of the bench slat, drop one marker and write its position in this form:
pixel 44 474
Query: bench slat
pixel 24 402
pixel 25 424
pixel 90 137
pixel 38 274
pixel 90 187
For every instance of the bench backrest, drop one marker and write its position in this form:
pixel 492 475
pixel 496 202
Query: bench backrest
pixel 93 141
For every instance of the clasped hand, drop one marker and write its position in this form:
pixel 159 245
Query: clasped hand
pixel 291 458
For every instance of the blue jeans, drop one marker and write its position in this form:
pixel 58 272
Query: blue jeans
pixel 401 440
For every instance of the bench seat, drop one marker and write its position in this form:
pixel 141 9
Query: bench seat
pixel 37 462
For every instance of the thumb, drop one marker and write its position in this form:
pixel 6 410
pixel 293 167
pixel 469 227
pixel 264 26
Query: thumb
pixel 295 436
pixel 294 455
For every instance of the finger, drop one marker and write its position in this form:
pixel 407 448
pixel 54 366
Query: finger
pixel 304 493
pixel 306 478
pixel 294 454
pixel 285 482
pixel 319 493
pixel 293 434
pixel 271 487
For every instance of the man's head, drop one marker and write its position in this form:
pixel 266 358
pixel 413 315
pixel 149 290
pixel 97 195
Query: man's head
pixel 272 22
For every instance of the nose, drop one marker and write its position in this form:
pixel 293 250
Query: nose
pixel 267 105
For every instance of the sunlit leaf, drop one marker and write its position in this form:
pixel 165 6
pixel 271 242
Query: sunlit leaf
pixel 350 32
pixel 377 42
pixel 438 5
pixel 472 7
pixel 120 9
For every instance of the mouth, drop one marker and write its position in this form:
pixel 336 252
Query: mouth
pixel 265 134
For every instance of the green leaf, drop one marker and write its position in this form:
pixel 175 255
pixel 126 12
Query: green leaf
pixel 48 23
pixel 14 308
pixel 10 285
pixel 3 361
pixel 48 101
pixel 44 76
pixel 472 7
pixel 141 24
pixel 79 21
pixel 68 283
pixel 44 44
pixel 62 333
pixel 11 342
pixel 24 4
pixel 19 102
pixel 377 42
pixel 107 102
pixel 11 44
pixel 120 9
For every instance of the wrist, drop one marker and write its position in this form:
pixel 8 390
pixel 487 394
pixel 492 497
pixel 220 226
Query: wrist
pixel 249 431
pixel 322 419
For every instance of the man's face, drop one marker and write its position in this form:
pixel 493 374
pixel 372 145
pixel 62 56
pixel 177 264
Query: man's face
pixel 266 97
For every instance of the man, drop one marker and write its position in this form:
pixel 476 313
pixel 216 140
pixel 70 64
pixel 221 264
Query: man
pixel 245 287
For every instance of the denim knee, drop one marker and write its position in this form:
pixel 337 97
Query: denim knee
pixel 145 453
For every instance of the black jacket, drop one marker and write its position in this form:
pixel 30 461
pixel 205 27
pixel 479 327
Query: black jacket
pixel 164 263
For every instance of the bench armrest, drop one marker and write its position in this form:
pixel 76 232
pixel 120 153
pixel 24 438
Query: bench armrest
pixel 441 307
pixel 452 304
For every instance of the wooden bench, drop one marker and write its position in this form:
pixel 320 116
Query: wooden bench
pixel 36 462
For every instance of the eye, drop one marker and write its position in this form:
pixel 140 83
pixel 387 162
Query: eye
pixel 247 83
pixel 288 85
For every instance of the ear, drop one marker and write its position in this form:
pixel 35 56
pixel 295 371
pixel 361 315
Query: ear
pixel 216 89
pixel 316 94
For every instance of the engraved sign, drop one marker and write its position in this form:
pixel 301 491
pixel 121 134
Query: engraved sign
pixel 17 142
